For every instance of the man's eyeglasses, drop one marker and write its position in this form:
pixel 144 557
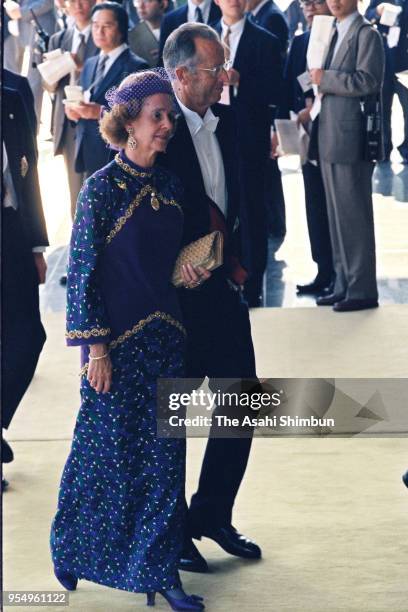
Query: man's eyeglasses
pixel 216 71
pixel 312 2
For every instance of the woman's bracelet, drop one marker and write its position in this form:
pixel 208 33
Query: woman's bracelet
pixel 97 358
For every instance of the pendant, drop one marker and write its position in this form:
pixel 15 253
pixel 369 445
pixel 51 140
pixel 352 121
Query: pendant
pixel 154 201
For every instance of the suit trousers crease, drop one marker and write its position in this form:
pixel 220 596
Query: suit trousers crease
pixel 75 179
pixel 351 222
pixel 219 345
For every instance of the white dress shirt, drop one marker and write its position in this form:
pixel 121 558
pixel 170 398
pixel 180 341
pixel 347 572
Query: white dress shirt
pixel 342 29
pixel 76 39
pixel 205 7
pixel 234 37
pixel 208 151
pixel 112 56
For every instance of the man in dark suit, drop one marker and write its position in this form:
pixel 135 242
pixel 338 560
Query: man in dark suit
pixel 301 102
pixel 15 81
pixel 396 60
pixel 78 40
pixel 101 72
pixel 256 83
pixel 203 155
pixel 204 11
pixel 267 15
pixel 24 239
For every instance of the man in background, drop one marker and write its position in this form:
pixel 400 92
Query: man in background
pixel 145 36
pixel 76 39
pixel 353 70
pixel 24 239
pixel 115 61
pixel 300 102
pixel 25 35
pixel 255 86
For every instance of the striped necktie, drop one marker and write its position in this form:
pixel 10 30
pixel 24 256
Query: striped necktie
pixel 226 44
pixel 100 72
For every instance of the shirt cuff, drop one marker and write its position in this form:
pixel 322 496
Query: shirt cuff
pixel 39 249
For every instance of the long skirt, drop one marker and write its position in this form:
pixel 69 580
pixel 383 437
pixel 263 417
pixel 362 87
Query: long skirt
pixel 121 507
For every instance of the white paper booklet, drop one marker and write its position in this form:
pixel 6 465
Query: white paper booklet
pixel 319 42
pixel 56 66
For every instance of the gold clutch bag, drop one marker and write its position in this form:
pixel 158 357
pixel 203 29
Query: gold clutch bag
pixel 205 252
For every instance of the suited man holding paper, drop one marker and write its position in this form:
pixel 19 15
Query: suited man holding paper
pixel 115 61
pixel 353 70
pixel 299 98
pixel 255 87
pixel 77 40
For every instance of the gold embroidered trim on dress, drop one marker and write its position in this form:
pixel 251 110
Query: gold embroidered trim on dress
pixel 87 333
pixel 129 169
pixel 136 328
pixel 134 204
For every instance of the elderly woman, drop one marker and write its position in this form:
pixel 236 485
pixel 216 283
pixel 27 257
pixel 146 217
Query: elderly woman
pixel 121 503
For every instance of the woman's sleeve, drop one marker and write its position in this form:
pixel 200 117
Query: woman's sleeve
pixel 87 321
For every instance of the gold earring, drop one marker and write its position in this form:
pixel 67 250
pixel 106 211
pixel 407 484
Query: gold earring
pixel 132 142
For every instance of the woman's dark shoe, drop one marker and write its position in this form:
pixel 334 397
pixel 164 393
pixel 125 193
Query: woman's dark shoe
pixel 405 478
pixel 67 580
pixel 188 603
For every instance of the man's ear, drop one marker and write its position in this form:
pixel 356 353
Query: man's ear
pixel 181 74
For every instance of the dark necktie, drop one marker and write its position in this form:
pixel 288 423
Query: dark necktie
pixel 81 49
pixel 100 73
pixel 330 54
pixel 199 15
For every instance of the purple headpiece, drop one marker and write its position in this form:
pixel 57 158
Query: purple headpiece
pixel 148 83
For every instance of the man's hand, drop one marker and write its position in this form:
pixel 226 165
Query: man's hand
pixel 72 114
pixel 316 75
pixel 303 116
pixel 41 266
pixel 88 110
pixel 233 77
pixel 274 146
pixel 12 9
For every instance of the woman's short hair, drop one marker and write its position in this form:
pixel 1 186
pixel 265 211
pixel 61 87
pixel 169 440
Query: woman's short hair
pixel 120 14
pixel 112 125
pixel 180 49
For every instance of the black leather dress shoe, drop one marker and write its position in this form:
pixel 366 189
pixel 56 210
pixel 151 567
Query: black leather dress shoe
pixel 315 288
pixel 328 300
pixel 191 560
pixel 4 484
pixel 405 478
pixel 233 542
pixel 350 305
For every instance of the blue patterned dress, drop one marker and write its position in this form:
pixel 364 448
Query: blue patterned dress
pixel 121 502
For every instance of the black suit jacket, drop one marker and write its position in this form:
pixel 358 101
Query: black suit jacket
pixel 294 98
pixel 176 18
pixel 19 141
pixel 258 61
pixel 272 19
pixel 195 202
pixel 12 80
pixel 91 152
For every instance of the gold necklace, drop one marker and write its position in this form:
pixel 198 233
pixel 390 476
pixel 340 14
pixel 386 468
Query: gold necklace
pixel 129 169
pixel 154 202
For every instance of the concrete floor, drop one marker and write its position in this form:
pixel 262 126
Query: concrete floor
pixel 330 514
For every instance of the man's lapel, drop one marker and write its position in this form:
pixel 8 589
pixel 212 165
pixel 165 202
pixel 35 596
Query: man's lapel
pixel 346 44
pixel 112 76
